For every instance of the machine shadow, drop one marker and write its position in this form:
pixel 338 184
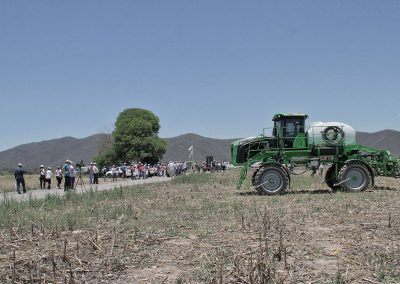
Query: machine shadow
pixel 318 191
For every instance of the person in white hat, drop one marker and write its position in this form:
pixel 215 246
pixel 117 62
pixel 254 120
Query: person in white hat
pixel 59 176
pixel 114 173
pixel 95 174
pixel 48 177
pixel 171 169
pixel 19 178
pixel 72 172
pixel 42 177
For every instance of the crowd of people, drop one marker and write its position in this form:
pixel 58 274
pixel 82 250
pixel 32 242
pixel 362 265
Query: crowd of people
pixel 170 169
pixel 212 166
pixel 143 170
pixel 68 172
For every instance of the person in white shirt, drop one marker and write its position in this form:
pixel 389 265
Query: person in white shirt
pixel 184 168
pixel 42 177
pixel 72 176
pixel 95 174
pixel 59 176
pixel 321 169
pixel 171 169
pixel 48 177
pixel 114 173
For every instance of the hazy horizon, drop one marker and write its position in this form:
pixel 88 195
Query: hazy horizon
pixel 221 138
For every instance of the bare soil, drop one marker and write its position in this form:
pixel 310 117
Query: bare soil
pixel 203 230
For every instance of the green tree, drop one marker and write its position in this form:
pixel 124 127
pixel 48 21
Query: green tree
pixel 136 136
pixel 105 158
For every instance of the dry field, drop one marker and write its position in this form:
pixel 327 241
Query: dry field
pixel 7 182
pixel 199 229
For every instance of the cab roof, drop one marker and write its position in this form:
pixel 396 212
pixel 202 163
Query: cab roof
pixel 279 116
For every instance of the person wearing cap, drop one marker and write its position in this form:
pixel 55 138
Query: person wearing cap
pixel 114 173
pixel 142 169
pixel 91 173
pixel 67 178
pixel 133 171
pixel 72 172
pixel 48 177
pixel 163 169
pixel 42 177
pixel 123 169
pixel 59 176
pixel 19 178
pixel 95 174
pixel 171 169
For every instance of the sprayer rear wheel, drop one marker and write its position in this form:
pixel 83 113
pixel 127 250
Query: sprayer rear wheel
pixel 330 178
pixel 270 180
pixel 354 177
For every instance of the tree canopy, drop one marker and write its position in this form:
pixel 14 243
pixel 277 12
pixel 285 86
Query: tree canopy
pixel 135 137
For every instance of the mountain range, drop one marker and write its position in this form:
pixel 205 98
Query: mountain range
pixel 54 152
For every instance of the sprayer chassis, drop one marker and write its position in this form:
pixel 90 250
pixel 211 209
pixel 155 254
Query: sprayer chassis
pixel 351 167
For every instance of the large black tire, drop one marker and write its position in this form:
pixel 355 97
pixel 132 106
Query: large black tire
pixel 253 180
pixel 330 178
pixel 271 180
pixel 354 177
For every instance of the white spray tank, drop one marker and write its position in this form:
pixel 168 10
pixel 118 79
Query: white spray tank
pixel 328 133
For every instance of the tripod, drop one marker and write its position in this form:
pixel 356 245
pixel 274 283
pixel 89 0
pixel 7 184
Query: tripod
pixel 80 181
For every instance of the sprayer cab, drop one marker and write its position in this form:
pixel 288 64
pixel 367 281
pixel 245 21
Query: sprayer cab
pixel 289 127
pixel 288 132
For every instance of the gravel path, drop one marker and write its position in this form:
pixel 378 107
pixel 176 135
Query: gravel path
pixel 104 185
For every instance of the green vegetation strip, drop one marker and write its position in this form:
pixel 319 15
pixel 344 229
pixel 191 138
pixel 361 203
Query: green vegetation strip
pixel 82 210
pixel 70 211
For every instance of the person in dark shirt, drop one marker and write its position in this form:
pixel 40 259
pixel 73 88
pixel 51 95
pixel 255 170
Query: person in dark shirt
pixel 19 178
pixel 67 177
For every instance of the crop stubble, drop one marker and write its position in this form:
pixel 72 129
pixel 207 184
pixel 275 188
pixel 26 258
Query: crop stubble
pixel 199 229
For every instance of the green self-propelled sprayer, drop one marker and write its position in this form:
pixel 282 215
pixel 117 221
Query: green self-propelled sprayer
pixel 352 167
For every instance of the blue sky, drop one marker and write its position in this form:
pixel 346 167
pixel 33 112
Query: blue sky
pixel 216 68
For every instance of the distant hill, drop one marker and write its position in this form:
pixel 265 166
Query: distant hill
pixel 54 152
pixel 385 139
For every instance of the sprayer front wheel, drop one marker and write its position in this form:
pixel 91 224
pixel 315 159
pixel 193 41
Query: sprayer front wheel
pixel 270 180
pixel 354 177
pixel 253 181
pixel 330 178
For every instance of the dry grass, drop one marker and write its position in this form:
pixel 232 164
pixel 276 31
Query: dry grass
pixel 199 229
pixel 7 182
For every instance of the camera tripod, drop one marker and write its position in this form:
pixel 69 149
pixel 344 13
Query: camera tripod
pixel 80 181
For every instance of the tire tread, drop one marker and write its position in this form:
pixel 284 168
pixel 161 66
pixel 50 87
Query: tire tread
pixel 260 173
pixel 343 170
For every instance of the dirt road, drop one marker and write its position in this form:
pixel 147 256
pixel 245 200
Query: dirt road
pixel 104 185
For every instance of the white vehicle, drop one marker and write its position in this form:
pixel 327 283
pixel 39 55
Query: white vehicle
pixel 119 172
pixel 228 165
